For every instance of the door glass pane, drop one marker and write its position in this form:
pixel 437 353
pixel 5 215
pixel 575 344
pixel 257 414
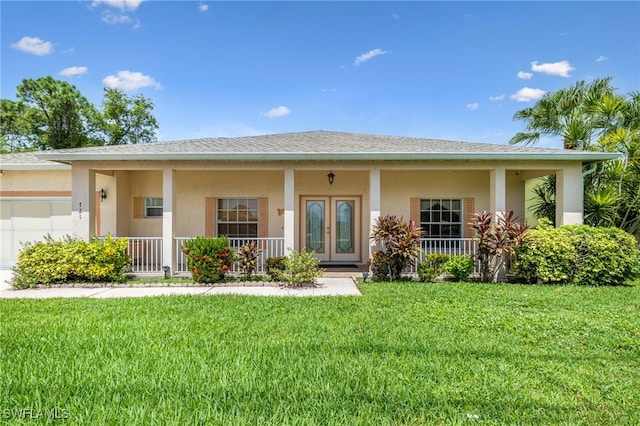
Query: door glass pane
pixel 315 225
pixel 344 226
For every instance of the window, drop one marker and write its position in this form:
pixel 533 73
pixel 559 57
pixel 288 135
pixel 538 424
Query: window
pixel 237 217
pixel 441 218
pixel 152 207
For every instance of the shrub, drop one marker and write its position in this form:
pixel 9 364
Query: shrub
pixel 460 266
pixel 432 266
pixel 399 241
pixel 275 267
pixel 248 254
pixel 209 259
pixel 578 254
pixel 380 264
pixel 498 241
pixel 301 267
pixel 71 260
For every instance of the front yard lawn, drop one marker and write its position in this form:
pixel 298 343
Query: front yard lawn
pixel 401 354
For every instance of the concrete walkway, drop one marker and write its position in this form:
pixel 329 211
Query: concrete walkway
pixel 339 286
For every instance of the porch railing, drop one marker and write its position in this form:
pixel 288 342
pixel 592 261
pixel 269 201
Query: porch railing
pixel 450 246
pixel 270 247
pixel 145 254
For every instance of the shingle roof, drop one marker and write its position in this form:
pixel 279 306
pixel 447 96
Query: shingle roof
pixel 319 145
pixel 27 161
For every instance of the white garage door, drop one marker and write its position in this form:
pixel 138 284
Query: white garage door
pixel 30 219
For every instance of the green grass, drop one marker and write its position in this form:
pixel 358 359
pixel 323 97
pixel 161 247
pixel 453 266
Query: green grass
pixel 400 354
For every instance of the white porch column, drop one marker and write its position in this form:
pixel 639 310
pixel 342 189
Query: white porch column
pixel 498 191
pixel 83 201
pixel 374 204
pixel 168 218
pixel 289 205
pixel 569 195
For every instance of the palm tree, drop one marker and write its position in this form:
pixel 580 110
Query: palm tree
pixel 578 114
pixel 591 116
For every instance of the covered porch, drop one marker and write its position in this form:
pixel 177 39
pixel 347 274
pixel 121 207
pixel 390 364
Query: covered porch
pixel 159 205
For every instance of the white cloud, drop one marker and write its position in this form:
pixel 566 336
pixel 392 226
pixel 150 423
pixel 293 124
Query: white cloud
pixel 370 54
pixel 119 4
pixel 527 94
pixel 276 112
pixel 112 19
pixel 33 45
pixel 129 81
pixel 395 16
pixel 473 106
pixel 561 69
pixel 524 75
pixel 496 98
pixel 203 7
pixel 73 71
pixel 601 58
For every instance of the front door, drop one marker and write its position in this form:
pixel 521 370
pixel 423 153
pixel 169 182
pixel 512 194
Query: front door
pixel 331 227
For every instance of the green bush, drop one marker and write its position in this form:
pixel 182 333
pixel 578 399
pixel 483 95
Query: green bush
pixel 301 268
pixel 578 254
pixel 275 267
pixel 209 259
pixel 432 266
pixel 460 266
pixel 71 260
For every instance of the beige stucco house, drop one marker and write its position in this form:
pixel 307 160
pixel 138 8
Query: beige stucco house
pixel 318 190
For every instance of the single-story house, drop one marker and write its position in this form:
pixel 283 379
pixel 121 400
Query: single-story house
pixel 318 190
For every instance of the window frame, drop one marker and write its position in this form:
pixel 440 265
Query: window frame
pixel 251 210
pixel 148 208
pixel 441 224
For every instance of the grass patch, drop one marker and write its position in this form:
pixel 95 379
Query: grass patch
pixel 400 354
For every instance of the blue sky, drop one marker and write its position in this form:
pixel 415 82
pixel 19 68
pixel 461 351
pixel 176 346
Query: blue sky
pixel 445 70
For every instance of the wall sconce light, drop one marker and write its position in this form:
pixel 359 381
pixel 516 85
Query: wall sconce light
pixel 331 176
pixel 103 194
pixel 1 172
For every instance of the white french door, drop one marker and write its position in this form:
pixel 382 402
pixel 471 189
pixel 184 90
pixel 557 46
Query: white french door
pixel 331 227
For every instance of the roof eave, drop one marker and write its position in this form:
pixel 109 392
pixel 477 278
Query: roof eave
pixel 378 156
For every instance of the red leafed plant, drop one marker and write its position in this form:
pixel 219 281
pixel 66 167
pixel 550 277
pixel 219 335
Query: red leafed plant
pixel 399 242
pixel 497 241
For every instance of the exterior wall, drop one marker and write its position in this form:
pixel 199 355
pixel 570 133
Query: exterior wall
pixel 397 187
pixel 192 187
pixel 35 180
pixel 147 183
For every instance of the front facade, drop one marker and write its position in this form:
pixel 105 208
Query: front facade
pixel 321 191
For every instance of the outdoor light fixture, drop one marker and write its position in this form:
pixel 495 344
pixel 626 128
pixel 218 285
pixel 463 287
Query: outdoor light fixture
pixel 103 194
pixel 1 172
pixel 331 176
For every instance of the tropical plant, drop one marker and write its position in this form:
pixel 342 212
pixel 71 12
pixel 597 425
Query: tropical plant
pixel 248 256
pixel 399 240
pixel 592 116
pixel 301 267
pixel 579 114
pixel 209 259
pixel 499 235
